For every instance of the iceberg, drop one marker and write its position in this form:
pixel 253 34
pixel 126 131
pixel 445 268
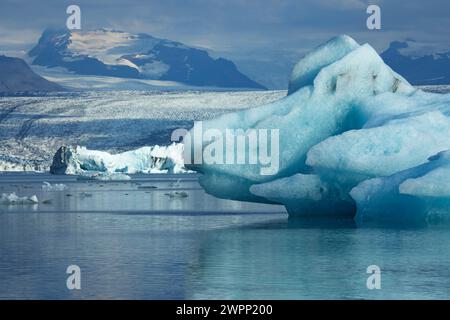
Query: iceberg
pixel 13 199
pixel 349 128
pixel 82 161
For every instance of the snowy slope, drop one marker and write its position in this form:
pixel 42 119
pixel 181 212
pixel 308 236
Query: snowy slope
pixel 137 56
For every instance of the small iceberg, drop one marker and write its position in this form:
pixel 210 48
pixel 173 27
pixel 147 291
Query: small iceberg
pixel 13 199
pixel 46 186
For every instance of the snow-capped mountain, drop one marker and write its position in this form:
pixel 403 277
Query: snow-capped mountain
pixel 418 64
pixel 139 56
pixel 16 76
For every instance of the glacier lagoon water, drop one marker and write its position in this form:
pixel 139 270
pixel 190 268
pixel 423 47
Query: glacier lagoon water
pixel 131 240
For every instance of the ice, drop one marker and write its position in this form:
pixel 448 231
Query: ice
pixel 13 199
pixel 46 186
pixel 305 195
pixel 418 193
pixel 380 151
pixel 354 136
pixel 304 118
pixel 156 159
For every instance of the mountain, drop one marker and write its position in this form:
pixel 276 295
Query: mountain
pixel 139 56
pixel 419 68
pixel 16 76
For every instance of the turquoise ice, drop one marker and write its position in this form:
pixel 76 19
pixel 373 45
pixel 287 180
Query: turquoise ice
pixel 348 118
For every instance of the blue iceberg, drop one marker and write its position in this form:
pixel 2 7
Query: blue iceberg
pixel 350 129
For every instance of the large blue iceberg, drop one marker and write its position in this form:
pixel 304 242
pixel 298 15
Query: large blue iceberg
pixel 355 138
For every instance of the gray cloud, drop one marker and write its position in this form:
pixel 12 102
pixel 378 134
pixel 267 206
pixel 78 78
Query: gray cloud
pixel 235 28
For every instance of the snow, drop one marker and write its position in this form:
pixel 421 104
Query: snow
pixel 354 137
pixel 108 46
pixel 306 117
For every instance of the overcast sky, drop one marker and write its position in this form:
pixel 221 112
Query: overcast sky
pixel 234 28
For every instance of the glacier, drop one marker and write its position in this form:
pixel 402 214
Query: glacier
pixel 355 138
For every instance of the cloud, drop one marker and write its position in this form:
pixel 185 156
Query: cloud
pixel 252 29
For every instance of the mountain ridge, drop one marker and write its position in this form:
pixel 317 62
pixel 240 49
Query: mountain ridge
pixel 105 52
pixel 16 76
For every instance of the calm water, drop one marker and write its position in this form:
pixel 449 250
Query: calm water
pixel 131 240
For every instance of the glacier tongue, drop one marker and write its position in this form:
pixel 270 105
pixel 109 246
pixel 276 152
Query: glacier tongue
pixel 156 159
pixel 349 129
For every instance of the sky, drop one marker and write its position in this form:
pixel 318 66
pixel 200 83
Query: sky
pixel 260 31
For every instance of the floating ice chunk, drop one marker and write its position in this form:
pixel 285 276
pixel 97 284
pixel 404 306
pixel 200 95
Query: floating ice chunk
pixel 155 159
pixel 46 186
pixel 13 199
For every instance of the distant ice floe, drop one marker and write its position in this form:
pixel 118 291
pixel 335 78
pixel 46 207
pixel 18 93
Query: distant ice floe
pixel 13 199
pixel 103 176
pixel 46 186
pixel 354 138
pixel 102 165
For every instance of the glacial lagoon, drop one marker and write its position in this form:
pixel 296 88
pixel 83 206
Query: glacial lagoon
pixel 138 240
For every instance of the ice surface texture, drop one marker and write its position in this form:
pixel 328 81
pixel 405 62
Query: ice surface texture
pixel 354 136
pixel 13 199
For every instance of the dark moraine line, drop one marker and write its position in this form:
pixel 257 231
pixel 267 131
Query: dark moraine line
pixel 29 123
pixel 10 110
